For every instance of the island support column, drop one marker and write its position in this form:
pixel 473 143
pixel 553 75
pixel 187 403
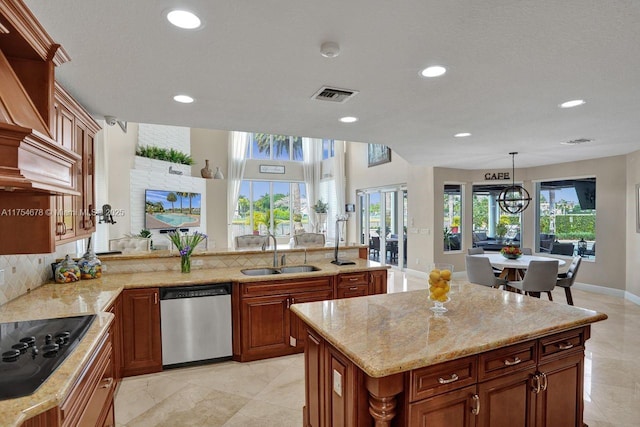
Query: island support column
pixel 382 398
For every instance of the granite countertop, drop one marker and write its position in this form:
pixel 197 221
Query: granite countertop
pixel 392 333
pixel 54 300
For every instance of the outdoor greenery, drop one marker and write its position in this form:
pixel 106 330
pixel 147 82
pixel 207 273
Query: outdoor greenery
pixel 168 155
pixel 280 144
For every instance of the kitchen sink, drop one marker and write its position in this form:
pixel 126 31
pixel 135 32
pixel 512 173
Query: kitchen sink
pixel 259 271
pixel 298 269
pixel 285 269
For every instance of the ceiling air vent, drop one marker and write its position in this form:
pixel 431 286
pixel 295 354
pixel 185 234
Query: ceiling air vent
pixel 577 141
pixel 333 94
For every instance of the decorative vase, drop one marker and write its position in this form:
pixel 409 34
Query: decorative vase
pixel 206 170
pixel 185 263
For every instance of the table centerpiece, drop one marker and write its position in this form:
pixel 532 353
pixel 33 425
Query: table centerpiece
pixel 511 252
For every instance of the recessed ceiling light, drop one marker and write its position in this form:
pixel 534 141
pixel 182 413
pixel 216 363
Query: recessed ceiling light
pixel 434 71
pixel 184 19
pixel 462 134
pixel 572 103
pixel 348 119
pixel 185 99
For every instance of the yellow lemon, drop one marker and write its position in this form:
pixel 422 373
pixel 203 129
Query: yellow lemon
pixel 434 275
pixel 445 274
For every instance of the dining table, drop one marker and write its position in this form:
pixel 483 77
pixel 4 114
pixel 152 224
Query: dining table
pixel 514 269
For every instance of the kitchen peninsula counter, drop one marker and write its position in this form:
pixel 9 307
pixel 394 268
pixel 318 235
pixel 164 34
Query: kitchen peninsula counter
pixel 54 300
pixel 392 344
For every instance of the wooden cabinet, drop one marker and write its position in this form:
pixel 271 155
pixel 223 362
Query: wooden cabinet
pixel 263 325
pixel 116 338
pixel 538 383
pixel 141 341
pixel 90 402
pixel 266 327
pixel 75 130
pixel 352 285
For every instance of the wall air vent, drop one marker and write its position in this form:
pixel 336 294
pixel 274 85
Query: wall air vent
pixel 333 94
pixel 577 141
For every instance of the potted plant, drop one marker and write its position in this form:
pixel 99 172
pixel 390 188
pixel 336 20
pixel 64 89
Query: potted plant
pixel 320 207
pixel 501 231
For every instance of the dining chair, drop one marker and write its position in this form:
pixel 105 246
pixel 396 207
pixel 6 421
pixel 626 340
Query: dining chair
pixel 566 280
pixel 479 271
pixel 541 276
pixel 309 240
pixel 475 251
pixel 251 241
pixel 526 251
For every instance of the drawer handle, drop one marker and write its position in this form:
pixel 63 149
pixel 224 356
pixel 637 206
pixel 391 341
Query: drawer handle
pixel 353 288
pixel 515 361
pixel 476 405
pixel 353 279
pixel 543 386
pixel 454 377
pixel 107 383
pixel 565 345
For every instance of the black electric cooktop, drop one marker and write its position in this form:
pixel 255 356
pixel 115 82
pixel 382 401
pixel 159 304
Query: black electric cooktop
pixel 32 350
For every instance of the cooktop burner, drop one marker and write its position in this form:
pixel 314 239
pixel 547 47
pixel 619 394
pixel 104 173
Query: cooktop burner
pixel 32 350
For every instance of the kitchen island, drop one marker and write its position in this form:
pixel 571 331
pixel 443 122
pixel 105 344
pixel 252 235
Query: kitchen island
pixel 494 359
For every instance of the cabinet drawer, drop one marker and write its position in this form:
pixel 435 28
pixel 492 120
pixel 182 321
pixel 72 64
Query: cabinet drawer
pixel 506 360
pixel 433 380
pixel 92 389
pixel 279 287
pixel 562 342
pixel 350 279
pixel 353 291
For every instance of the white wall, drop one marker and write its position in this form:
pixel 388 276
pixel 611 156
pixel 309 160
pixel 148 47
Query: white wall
pixel 213 145
pixel 633 237
pixel 162 136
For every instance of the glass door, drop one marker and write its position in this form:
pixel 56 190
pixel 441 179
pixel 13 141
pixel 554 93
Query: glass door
pixel 382 224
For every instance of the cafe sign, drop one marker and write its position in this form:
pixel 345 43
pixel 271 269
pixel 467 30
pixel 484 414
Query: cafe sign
pixel 496 176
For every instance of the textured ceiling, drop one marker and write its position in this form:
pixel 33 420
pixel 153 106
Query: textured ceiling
pixel 255 65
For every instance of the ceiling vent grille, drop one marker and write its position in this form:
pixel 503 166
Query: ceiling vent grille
pixel 577 141
pixel 333 94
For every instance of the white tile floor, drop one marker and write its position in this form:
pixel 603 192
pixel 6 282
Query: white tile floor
pixel 271 392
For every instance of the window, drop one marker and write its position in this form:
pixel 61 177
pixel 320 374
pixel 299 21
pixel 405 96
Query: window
pixel 274 147
pixel 567 217
pixel 328 149
pixel 492 227
pixel 276 206
pixel 452 216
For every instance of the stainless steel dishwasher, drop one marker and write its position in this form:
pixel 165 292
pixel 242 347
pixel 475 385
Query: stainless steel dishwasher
pixel 196 324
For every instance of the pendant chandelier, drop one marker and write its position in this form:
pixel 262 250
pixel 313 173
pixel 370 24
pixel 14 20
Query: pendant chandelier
pixel 513 199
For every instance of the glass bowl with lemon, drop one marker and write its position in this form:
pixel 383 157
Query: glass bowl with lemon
pixel 439 285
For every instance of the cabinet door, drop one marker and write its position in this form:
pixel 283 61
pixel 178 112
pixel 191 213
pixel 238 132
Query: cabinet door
pixel 314 399
pixel 265 326
pixel 560 402
pixel 377 282
pixel 64 126
pixel 85 176
pixel 142 345
pixel 297 328
pixel 452 409
pixel 507 401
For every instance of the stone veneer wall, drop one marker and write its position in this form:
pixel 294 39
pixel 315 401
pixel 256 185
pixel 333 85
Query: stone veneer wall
pixel 223 260
pixel 176 137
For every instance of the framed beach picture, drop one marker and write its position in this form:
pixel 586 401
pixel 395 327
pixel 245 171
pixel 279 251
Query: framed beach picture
pixel 378 154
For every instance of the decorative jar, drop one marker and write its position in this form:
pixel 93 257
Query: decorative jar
pixel 67 271
pixel 90 266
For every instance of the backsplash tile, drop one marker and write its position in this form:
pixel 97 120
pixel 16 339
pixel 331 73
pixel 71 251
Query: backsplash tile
pixel 31 271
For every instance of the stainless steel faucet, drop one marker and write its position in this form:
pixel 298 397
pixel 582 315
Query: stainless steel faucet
pixel 283 260
pixel 275 249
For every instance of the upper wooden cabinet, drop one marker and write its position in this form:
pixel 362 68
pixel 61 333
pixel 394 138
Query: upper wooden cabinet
pixel 46 142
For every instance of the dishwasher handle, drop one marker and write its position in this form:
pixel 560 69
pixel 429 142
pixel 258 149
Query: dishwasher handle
pixel 195 291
